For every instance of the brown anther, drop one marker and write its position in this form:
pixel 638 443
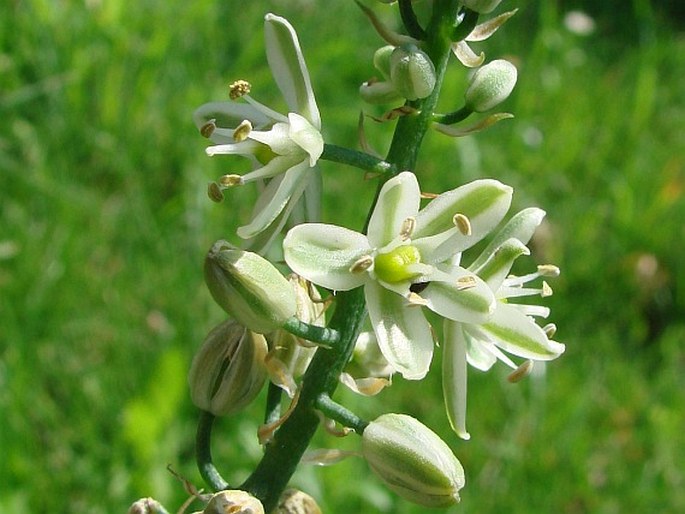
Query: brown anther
pixel 521 372
pixel 214 192
pixel 239 88
pixel 208 128
pixel 408 226
pixel 462 223
pixel 230 180
pixel 242 131
pixel 362 264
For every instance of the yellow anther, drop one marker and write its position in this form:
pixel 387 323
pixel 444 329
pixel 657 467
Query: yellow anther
pixel 546 290
pixel 416 300
pixel 362 264
pixel 521 372
pixel 462 223
pixel 208 128
pixel 239 88
pixel 548 270
pixel 550 329
pixel 408 226
pixel 231 180
pixel 466 282
pixel 242 131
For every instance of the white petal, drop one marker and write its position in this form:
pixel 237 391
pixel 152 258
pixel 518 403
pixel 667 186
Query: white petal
pixel 323 254
pixel 291 187
pixel 402 332
pixel 229 115
pixel 448 297
pixel 306 137
pixel 399 199
pixel 277 138
pixel 478 352
pixel 518 334
pixel 276 166
pixel 289 69
pixel 497 267
pixel 244 148
pixel 521 226
pixel 483 202
pixel 454 377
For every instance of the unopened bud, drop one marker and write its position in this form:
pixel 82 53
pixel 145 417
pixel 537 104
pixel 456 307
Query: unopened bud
pixel 249 288
pixel 228 371
pixel 412 72
pixel 293 501
pixel 378 92
pixel 490 85
pixel 412 460
pixel 481 6
pixel 381 60
pixel 233 502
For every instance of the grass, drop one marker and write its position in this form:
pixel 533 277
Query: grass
pixel 104 223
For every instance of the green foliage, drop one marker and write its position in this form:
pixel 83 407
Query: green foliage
pixel 104 224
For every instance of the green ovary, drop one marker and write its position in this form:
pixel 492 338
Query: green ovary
pixel 394 266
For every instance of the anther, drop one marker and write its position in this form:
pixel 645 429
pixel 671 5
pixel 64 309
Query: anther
pixel 231 180
pixel 548 270
pixel 416 300
pixel 239 88
pixel 521 372
pixel 462 223
pixel 214 192
pixel 362 264
pixel 208 128
pixel 546 290
pixel 466 282
pixel 550 329
pixel 408 226
pixel 242 131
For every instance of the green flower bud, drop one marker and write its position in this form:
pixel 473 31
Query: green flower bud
pixel 234 502
pixel 381 60
pixel 412 460
pixel 481 6
pixel 378 93
pixel 411 72
pixel 228 371
pixel 490 85
pixel 249 288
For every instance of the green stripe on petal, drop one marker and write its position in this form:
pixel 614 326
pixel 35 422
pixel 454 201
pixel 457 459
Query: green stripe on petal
pixel 497 266
pixel 454 376
pixel 518 334
pixel 483 202
pixel 324 254
pixel 289 69
pixel 459 296
pixel 399 199
pixel 402 332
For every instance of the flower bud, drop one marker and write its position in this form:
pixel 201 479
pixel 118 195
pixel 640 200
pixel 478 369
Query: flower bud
pixel 249 288
pixel 228 371
pixel 481 6
pixel 412 72
pixel 381 60
pixel 490 85
pixel 293 501
pixel 412 460
pixel 378 93
pixel 233 502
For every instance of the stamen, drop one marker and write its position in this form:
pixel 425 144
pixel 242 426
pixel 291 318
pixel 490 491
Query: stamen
pixel 242 131
pixel 230 181
pixel 546 290
pixel 548 270
pixel 416 300
pixel 462 223
pixel 408 226
pixel 550 329
pixel 239 88
pixel 466 282
pixel 364 263
pixel 208 128
pixel 521 372
pixel 214 192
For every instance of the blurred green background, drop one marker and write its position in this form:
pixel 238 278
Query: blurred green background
pixel 104 222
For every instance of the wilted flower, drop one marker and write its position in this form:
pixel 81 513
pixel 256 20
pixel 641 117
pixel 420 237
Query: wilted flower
pixel 283 148
pixel 510 329
pixel 233 502
pixel 399 262
pixel 412 460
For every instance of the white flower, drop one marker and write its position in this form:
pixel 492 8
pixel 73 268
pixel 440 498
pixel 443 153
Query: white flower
pixel 283 148
pixel 510 329
pixel 400 262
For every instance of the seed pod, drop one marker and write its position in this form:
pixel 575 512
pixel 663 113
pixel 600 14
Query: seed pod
pixel 412 72
pixel 293 501
pixel 490 85
pixel 233 502
pixel 412 460
pixel 228 371
pixel 249 288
